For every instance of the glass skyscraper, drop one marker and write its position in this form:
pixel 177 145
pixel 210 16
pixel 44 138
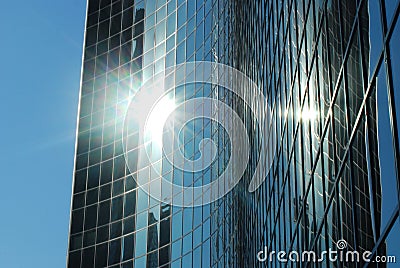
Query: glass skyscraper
pixel 327 71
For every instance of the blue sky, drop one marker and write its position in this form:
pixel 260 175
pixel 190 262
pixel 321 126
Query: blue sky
pixel 40 53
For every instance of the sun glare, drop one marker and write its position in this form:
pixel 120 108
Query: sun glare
pixel 158 116
pixel 308 114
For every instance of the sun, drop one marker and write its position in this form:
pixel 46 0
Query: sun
pixel 157 118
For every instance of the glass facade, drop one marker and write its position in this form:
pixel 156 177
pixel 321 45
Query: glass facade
pixel 319 63
pixel 327 70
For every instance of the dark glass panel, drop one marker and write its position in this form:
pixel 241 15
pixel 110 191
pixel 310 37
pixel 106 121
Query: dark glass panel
pixel 81 161
pixel 105 3
pixel 119 151
pixel 104 212
pixel 74 259
pixel 130 183
pixel 87 75
pixel 93 6
pixel 80 180
pixel 88 257
pixel 115 24
pixel 127 18
pixel 117 206
pixel 95 156
pixel 128 3
pixel 114 252
pixel 102 234
pixel 115 41
pixel 93 176
pixel 105 192
pixel 119 167
pixel 152 235
pixel 130 204
pixel 84 124
pixel 102 47
pixel 89 238
pixel 116 230
pixel 118 187
pixel 126 52
pixel 152 259
pixel 91 36
pixel 126 36
pixel 116 8
pixel 92 196
pixel 113 59
pixel 92 19
pixel 128 264
pixel 101 255
pixel 129 225
pixel 78 201
pixel 128 247
pixel 106 172
pixel 164 257
pixel 86 108
pixel 95 137
pixel 104 13
pixel 107 151
pixel 90 217
pixel 77 221
pixel 165 227
pixel 75 242
pixel 104 30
